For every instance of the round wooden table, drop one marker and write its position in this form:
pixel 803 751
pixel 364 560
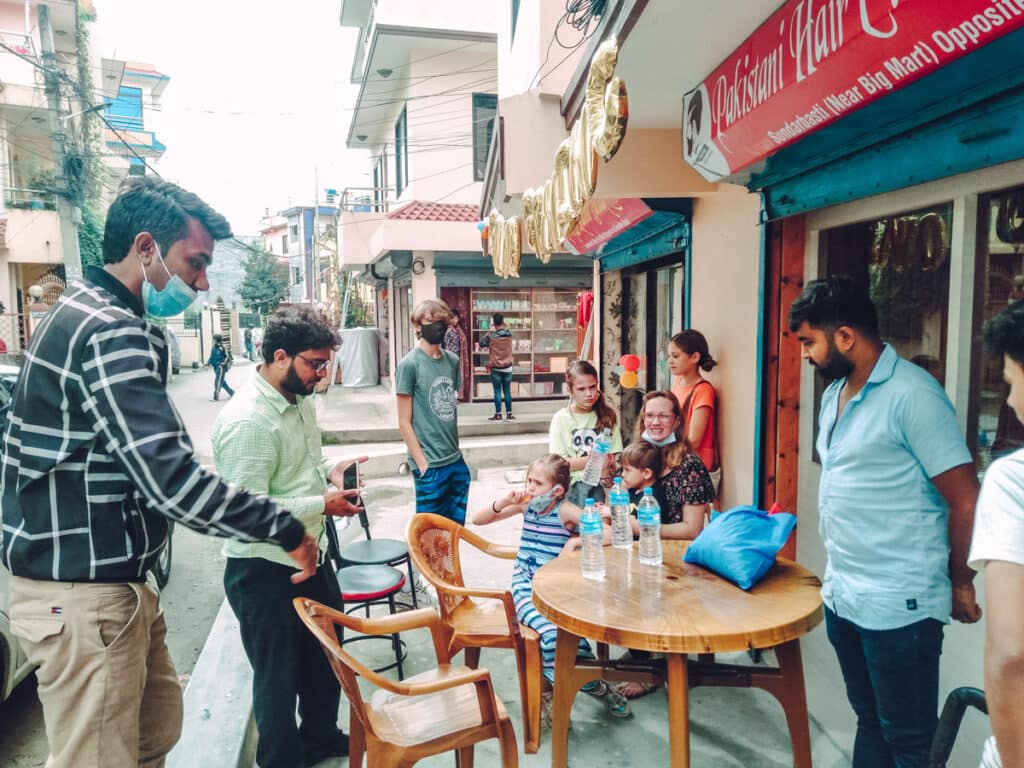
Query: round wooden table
pixel 676 609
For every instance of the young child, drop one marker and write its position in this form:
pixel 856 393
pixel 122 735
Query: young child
pixel 642 468
pixel 575 428
pixel 427 381
pixel 688 355
pixel 548 521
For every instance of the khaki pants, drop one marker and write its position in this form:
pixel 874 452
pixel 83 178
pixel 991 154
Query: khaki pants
pixel 109 691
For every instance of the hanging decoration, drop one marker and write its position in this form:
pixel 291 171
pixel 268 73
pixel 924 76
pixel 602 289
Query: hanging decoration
pixel 551 211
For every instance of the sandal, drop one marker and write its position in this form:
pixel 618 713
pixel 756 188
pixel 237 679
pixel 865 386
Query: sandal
pixel 615 703
pixel 635 689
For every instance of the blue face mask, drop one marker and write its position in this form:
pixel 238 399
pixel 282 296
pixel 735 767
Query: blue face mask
pixel 540 504
pixel 670 440
pixel 175 297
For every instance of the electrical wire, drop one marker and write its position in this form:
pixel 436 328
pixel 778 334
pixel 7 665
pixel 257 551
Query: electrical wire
pixel 579 14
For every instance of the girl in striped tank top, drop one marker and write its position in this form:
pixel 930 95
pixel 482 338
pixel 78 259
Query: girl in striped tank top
pixel 548 522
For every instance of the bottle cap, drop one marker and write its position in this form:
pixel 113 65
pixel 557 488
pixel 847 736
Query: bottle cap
pixel 648 491
pixel 588 503
pixel 617 482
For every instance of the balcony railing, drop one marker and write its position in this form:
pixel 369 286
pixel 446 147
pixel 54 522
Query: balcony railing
pixel 367 199
pixel 32 199
pixel 19 53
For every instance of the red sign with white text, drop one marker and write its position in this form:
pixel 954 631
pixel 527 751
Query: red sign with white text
pixel 601 220
pixel 814 61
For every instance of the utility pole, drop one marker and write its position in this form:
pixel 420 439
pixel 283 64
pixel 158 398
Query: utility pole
pixel 315 287
pixel 67 214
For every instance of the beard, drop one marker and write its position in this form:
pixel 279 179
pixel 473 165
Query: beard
pixel 292 383
pixel 836 365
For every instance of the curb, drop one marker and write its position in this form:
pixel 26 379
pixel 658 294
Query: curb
pixel 218 728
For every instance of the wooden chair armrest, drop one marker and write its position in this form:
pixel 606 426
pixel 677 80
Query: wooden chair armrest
pixel 487 546
pixel 442 678
pixel 395 622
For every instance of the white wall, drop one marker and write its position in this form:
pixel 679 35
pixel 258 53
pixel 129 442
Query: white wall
pixel 724 301
pixel 440 124
pixel 461 15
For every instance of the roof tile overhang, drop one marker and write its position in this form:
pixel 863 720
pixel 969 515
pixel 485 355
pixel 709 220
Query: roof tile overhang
pixel 367 237
pixel 419 210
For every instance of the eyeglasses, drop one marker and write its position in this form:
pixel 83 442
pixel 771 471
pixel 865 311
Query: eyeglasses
pixel 659 416
pixel 319 366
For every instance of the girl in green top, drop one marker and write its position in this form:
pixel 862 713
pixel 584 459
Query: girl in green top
pixel 575 427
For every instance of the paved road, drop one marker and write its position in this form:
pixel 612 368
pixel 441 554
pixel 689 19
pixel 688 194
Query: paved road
pixel 190 601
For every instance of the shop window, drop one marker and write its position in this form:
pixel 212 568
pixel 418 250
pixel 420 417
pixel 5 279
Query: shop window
pixel 284 243
pixel 904 260
pixel 485 107
pixel 401 154
pixel 668 311
pixel 992 428
pixel 651 313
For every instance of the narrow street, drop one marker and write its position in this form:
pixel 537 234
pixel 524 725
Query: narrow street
pixel 190 600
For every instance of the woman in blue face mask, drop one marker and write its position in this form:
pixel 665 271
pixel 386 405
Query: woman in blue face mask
pixel 548 522
pixel 682 476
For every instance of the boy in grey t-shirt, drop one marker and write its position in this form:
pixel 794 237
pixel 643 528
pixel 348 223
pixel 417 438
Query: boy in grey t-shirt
pixel 427 383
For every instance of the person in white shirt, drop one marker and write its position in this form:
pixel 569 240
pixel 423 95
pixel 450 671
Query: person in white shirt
pixel 997 548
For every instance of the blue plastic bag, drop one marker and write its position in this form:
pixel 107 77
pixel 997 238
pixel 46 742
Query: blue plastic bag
pixel 741 544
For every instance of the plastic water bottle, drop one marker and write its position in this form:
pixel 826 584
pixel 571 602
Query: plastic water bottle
pixel 648 514
pixel 592 553
pixel 598 458
pixel 622 534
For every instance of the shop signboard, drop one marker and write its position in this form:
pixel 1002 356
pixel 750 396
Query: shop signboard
pixel 600 220
pixel 814 61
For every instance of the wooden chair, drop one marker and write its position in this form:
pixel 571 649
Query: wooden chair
pixel 447 708
pixel 477 618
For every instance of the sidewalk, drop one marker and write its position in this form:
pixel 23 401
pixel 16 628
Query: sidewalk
pixel 730 728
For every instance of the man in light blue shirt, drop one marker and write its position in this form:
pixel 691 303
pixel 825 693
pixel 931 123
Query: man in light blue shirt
pixel 896 502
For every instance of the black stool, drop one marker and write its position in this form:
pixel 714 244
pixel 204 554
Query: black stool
pixel 373 551
pixel 367 585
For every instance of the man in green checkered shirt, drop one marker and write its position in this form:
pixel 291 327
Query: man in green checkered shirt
pixel 266 440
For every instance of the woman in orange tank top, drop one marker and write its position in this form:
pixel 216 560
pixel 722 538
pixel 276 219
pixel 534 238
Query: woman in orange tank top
pixel 688 355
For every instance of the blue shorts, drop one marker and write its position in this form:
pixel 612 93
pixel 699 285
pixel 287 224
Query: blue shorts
pixel 443 490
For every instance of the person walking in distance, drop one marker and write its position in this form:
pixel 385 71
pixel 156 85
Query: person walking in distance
pixel 426 382
pixel 498 343
pixel 266 440
pixel 95 462
pixel 247 337
pixel 894 469
pixel 220 362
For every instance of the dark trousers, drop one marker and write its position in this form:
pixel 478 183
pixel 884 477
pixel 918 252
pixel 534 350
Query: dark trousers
pixel 220 382
pixel 892 682
pixel 287 661
pixel 501 383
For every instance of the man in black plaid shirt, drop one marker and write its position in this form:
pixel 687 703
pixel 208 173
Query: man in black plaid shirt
pixel 96 459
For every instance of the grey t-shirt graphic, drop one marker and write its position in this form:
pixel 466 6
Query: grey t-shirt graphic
pixel 433 385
